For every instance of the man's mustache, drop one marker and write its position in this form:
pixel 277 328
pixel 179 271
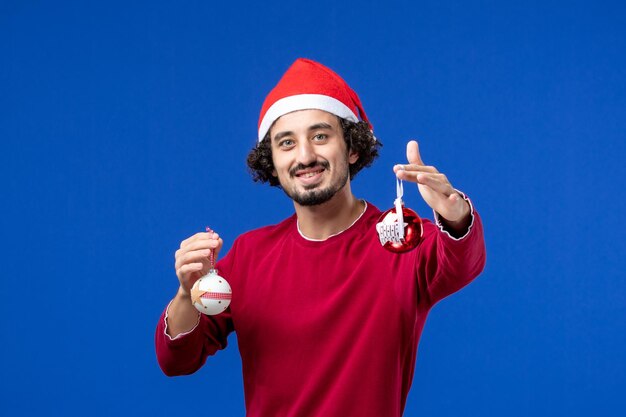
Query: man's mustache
pixel 323 164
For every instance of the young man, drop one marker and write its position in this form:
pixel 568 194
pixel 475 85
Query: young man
pixel 327 320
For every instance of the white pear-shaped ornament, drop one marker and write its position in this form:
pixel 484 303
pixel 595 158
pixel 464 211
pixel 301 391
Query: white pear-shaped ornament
pixel 211 294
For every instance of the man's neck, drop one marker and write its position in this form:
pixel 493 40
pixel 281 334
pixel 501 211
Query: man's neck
pixel 321 221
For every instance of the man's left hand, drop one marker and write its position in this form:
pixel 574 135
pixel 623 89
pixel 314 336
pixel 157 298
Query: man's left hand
pixel 435 189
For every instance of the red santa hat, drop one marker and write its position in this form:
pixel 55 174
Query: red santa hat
pixel 310 85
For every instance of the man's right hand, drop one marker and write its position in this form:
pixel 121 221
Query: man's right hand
pixel 192 262
pixel 192 259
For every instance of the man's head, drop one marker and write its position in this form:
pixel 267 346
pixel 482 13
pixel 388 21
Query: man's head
pixel 310 138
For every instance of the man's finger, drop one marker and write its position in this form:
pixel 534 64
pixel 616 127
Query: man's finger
pixel 191 257
pixel 414 167
pixel 188 268
pixel 412 173
pixel 196 237
pixel 437 182
pixel 413 153
pixel 202 244
pixel 218 247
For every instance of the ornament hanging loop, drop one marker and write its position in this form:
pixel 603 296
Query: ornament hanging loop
pixel 399 189
pixel 211 255
pixel 399 203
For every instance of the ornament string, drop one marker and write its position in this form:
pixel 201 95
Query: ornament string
pixel 211 254
pixel 398 203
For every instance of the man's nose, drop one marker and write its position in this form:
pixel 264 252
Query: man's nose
pixel 306 153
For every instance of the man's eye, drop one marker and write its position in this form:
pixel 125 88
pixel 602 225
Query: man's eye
pixel 320 136
pixel 285 143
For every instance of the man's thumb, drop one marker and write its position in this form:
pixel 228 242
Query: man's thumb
pixel 413 153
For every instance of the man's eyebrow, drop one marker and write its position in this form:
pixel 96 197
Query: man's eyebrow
pixel 281 135
pixel 321 125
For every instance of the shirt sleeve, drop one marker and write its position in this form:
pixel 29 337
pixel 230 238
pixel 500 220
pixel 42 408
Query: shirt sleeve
pixel 445 263
pixel 442 227
pixel 187 352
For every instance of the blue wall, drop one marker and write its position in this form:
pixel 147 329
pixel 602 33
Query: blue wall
pixel 124 129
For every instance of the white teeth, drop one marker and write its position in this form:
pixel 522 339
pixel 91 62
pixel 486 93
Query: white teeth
pixel 310 174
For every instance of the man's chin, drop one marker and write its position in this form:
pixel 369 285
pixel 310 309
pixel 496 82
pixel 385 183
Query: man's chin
pixel 312 197
pixel 311 187
pixel 316 193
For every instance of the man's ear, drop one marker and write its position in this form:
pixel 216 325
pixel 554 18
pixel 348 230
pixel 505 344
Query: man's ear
pixel 353 157
pixel 274 173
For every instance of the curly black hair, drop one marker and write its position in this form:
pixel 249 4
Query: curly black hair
pixel 358 136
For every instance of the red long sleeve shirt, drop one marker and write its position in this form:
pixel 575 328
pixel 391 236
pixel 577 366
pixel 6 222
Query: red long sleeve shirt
pixel 327 328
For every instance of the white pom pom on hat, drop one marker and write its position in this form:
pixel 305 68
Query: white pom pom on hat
pixel 310 85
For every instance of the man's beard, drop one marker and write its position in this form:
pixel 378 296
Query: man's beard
pixel 312 196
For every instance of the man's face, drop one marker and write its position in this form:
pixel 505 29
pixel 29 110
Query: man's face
pixel 310 156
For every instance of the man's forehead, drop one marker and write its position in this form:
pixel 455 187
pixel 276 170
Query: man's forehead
pixel 305 119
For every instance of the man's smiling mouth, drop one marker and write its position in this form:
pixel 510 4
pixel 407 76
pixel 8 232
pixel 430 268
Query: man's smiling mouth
pixel 309 173
pixel 303 171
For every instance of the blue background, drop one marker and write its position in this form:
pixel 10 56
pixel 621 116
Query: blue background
pixel 125 126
